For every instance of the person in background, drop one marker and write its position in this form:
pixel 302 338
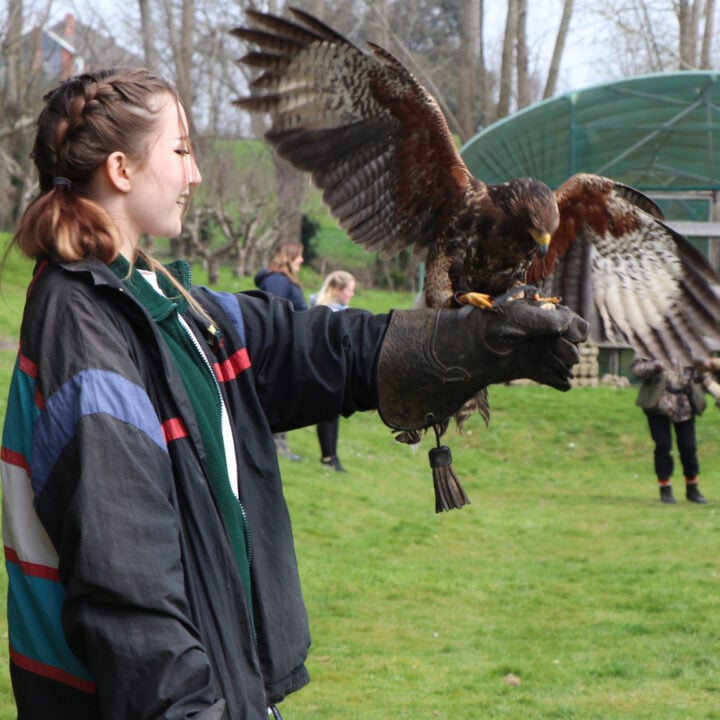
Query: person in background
pixel 148 546
pixel 280 278
pixel 336 292
pixel 672 397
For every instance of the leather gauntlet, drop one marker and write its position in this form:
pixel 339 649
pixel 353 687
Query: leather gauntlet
pixel 432 361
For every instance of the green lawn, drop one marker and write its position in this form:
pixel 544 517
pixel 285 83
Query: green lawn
pixel 565 570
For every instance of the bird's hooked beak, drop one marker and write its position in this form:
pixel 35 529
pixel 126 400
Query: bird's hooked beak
pixel 542 239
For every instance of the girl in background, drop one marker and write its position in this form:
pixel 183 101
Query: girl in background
pixel 280 277
pixel 336 292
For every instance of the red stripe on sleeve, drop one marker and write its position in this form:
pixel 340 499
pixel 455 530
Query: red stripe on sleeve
pixel 15 458
pixel 230 368
pixel 48 671
pixel 44 572
pixel 174 429
pixel 27 365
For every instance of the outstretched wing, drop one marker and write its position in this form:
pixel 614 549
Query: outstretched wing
pixel 638 282
pixel 373 138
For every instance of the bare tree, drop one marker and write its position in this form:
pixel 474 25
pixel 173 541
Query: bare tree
pixel 11 54
pixel 21 90
pixel 687 15
pixel 708 34
pixel 560 39
pixel 483 73
pixel 469 70
pixel 508 60
pixel 522 64
pixel 148 34
pixel 181 37
pixel 667 35
pixel 291 185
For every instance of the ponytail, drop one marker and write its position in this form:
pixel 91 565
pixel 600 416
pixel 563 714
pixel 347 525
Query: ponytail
pixel 66 227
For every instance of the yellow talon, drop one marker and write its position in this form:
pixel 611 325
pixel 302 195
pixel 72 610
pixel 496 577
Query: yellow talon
pixel 480 300
pixel 554 300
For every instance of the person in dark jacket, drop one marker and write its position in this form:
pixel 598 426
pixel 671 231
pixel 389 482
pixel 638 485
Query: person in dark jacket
pixel 280 278
pixel 671 398
pixel 148 546
pixel 336 292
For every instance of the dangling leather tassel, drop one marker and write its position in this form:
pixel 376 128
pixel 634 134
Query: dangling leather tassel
pixel 449 492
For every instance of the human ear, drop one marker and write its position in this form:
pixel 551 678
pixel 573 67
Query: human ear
pixel 118 171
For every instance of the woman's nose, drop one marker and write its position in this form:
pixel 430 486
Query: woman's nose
pixel 195 175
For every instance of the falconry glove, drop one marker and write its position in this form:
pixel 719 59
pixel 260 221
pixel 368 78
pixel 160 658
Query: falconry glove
pixel 432 361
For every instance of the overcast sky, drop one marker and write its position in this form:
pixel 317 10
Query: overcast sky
pixel 580 62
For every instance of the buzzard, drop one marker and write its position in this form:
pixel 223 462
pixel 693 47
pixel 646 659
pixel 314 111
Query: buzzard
pixel 378 146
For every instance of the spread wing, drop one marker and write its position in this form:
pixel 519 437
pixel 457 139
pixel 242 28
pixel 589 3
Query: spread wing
pixel 373 138
pixel 638 282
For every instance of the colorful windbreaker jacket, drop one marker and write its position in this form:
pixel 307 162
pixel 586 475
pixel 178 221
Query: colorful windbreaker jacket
pixel 124 599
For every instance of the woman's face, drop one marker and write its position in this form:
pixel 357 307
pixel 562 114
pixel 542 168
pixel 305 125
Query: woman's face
pixel 161 185
pixel 296 263
pixel 345 295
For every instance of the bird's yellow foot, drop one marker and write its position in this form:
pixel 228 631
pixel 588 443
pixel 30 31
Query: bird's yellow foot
pixel 480 300
pixel 552 299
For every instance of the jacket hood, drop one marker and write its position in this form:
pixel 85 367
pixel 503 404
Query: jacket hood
pixel 260 275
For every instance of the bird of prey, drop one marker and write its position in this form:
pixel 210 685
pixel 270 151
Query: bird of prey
pixel 378 146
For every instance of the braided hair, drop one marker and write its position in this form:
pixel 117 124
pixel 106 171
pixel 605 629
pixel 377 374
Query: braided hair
pixel 85 119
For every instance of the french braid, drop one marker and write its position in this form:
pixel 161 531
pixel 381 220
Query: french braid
pixel 85 119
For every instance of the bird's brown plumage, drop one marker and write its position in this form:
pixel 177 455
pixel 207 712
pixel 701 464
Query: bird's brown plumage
pixel 379 148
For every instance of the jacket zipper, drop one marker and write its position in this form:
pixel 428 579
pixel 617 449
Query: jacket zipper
pixel 223 410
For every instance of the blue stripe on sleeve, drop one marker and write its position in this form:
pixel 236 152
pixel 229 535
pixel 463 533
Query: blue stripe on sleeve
pixel 230 305
pixel 87 393
pixel 34 609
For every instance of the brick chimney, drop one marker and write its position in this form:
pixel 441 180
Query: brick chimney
pixel 67 66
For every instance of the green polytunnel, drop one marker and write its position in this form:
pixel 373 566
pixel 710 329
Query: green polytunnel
pixel 659 133
pixel 655 132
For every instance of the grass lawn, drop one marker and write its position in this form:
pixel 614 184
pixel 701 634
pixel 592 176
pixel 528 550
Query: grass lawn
pixel 565 571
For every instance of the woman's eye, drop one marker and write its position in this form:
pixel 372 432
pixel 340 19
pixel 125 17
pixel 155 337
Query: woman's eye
pixel 182 151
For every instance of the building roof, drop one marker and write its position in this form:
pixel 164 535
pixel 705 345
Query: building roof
pixel 654 132
pixel 70 47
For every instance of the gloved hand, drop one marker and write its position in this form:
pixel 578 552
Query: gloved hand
pixel 713 387
pixel 658 366
pixel 432 361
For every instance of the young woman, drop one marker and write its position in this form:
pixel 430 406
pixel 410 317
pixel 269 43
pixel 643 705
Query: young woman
pixel 147 542
pixel 336 292
pixel 281 275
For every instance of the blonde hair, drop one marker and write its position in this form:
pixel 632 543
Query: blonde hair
pixel 283 258
pixel 335 281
